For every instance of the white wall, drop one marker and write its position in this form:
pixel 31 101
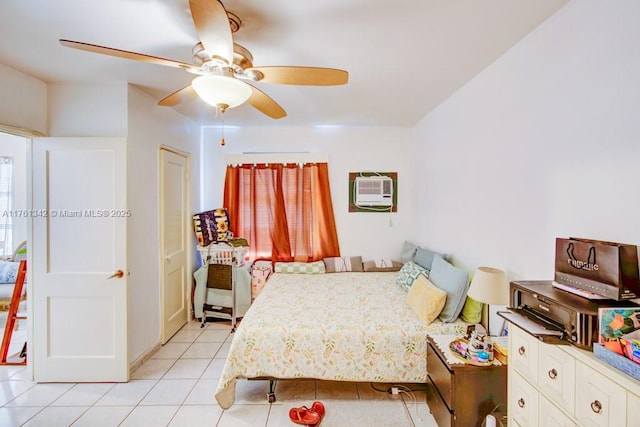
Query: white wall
pixel 87 109
pixel 543 144
pixel 150 127
pixel 350 150
pixel 23 103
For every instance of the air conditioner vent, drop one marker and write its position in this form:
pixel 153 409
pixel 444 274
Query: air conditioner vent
pixel 373 191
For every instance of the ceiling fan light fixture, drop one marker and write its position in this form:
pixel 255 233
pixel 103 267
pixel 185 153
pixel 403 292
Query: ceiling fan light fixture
pixel 221 90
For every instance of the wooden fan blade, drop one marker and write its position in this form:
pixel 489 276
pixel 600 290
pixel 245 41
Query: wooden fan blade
pixel 127 55
pixel 263 103
pixel 181 95
pixel 310 76
pixel 212 25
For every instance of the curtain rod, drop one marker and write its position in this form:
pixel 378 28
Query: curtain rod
pixel 276 158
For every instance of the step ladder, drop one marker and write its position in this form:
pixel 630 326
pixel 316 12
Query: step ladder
pixel 19 358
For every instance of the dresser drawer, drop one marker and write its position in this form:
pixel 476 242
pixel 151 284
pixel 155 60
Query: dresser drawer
pixel 599 401
pixel 551 416
pixel 523 353
pixel 523 401
pixel 633 409
pixel 557 375
pixel 440 375
pixel 437 407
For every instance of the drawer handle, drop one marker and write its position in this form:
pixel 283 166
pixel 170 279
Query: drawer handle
pixel 553 374
pixel 521 402
pixel 596 406
pixel 522 350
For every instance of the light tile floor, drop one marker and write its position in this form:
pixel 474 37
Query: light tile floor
pixel 176 387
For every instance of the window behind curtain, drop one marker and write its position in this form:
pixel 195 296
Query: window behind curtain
pixel 6 205
pixel 284 211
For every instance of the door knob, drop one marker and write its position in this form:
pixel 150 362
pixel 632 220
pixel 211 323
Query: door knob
pixel 119 274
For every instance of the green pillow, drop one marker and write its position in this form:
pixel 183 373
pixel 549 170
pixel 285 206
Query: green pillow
pixel 472 311
pixel 297 267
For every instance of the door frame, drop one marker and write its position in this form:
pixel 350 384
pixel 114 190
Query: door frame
pixel 28 135
pixel 188 225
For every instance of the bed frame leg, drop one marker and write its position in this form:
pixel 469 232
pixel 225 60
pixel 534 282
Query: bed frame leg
pixel 271 396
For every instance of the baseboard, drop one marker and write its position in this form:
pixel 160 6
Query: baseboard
pixel 143 358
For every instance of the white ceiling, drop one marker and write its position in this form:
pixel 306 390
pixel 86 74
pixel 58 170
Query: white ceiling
pixel 404 57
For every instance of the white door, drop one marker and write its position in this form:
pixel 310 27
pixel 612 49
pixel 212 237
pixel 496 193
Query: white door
pixel 79 260
pixel 174 235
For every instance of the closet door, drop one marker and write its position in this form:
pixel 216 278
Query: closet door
pixel 79 297
pixel 175 236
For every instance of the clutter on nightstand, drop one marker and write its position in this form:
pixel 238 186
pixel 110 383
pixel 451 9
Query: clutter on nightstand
pixel 475 349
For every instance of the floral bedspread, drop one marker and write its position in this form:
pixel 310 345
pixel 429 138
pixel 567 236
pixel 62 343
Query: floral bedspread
pixel 334 326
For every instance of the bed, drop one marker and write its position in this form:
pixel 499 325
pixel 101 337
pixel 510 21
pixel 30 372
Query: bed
pixel 339 326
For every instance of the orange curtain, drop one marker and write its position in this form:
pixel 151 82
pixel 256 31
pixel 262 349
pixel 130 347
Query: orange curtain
pixel 284 211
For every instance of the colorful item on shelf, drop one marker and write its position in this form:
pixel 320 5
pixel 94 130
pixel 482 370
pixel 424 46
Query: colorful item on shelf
pixel 212 226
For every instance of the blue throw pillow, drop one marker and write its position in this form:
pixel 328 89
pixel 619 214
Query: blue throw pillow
pixel 455 282
pixel 408 251
pixel 424 257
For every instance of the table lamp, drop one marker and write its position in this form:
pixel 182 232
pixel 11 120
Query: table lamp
pixel 489 286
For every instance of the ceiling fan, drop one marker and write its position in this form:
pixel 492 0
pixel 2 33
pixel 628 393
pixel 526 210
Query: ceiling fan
pixel 224 67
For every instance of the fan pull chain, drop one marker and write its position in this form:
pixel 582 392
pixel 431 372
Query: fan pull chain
pixel 222 139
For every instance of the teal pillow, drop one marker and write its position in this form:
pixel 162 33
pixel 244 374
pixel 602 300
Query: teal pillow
pixel 455 282
pixel 408 273
pixel 424 257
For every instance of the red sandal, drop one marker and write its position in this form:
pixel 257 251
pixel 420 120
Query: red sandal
pixel 305 416
pixel 318 407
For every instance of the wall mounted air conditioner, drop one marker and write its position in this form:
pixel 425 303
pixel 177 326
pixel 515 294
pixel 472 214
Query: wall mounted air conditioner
pixel 373 191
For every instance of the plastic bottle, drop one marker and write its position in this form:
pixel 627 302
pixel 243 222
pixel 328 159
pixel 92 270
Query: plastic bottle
pixel 488 347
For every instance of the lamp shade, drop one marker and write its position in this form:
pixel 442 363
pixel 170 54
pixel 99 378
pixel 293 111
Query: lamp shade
pixel 489 286
pixel 221 91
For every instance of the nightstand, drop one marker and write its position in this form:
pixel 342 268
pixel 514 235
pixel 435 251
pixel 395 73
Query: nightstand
pixel 462 395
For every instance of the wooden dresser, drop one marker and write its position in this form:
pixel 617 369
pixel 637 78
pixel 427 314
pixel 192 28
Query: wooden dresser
pixel 462 395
